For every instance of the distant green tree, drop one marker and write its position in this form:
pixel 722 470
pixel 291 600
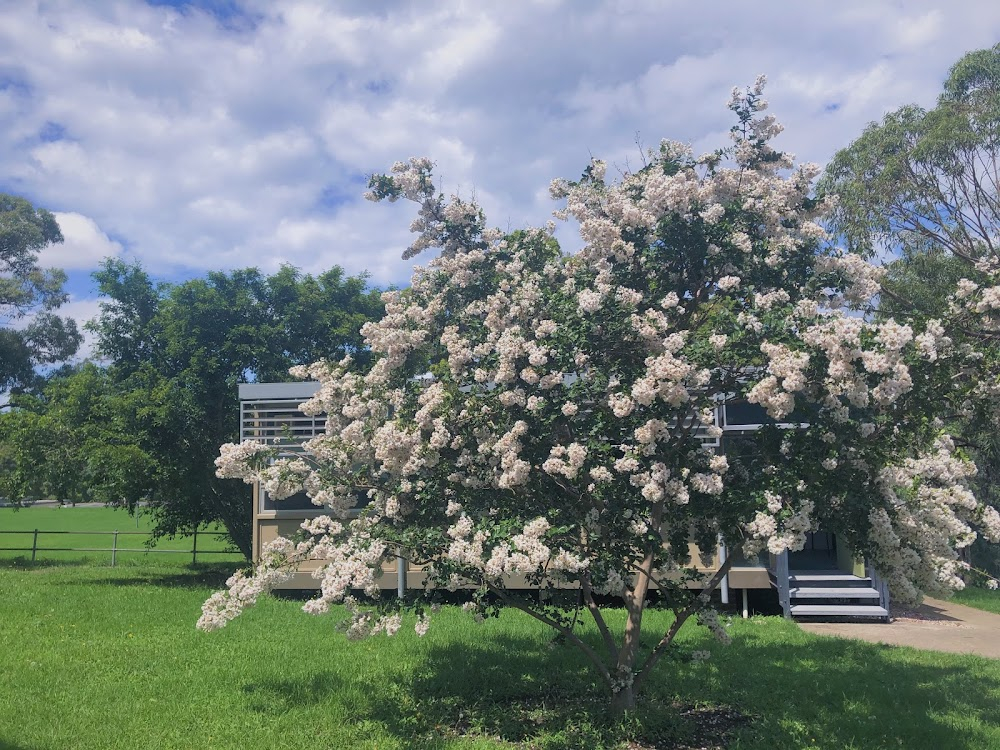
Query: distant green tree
pixel 178 352
pixel 76 439
pixel 927 180
pixel 32 293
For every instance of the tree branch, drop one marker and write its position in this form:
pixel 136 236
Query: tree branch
pixel 595 612
pixel 562 629
pixel 700 601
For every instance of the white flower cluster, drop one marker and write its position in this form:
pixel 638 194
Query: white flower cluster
pixel 778 529
pixel 239 460
pixel 709 618
pixel 243 591
pixel 565 460
pixel 929 515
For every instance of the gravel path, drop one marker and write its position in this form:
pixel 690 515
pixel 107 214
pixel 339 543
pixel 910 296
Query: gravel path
pixel 935 625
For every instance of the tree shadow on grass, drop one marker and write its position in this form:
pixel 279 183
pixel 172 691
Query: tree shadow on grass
pixel 504 687
pixel 6 745
pixel 790 693
pixel 835 693
pixel 518 690
pixel 278 696
pixel 210 575
pixel 24 563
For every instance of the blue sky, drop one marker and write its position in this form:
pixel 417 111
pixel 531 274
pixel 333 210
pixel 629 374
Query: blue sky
pixel 231 133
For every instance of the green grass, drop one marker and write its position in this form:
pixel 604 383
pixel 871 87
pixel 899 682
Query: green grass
pixel 979 598
pixel 132 547
pixel 95 657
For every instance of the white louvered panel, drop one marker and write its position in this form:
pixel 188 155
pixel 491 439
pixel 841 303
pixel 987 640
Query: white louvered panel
pixel 699 432
pixel 278 422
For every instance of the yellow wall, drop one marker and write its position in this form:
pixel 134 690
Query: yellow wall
pixel 847 561
pixel 269 527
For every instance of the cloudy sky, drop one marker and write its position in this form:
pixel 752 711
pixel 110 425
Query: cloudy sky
pixel 218 134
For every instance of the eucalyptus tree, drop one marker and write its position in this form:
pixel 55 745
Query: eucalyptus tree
pixel 29 292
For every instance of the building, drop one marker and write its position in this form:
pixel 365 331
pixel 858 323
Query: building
pixel 824 580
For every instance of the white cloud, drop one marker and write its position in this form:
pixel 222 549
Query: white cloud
pixel 83 310
pixel 211 143
pixel 84 244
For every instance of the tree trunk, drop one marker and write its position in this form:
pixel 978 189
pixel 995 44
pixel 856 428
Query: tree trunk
pixel 239 537
pixel 235 513
pixel 623 700
pixel 239 529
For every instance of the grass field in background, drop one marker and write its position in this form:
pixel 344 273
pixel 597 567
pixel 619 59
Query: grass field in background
pixel 99 657
pixel 979 598
pixel 87 519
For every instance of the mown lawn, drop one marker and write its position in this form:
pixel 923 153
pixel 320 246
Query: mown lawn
pixel 980 598
pixel 84 520
pixel 95 657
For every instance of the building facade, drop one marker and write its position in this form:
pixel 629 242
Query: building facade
pixel 824 580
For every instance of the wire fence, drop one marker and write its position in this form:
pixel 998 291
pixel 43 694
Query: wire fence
pixel 115 549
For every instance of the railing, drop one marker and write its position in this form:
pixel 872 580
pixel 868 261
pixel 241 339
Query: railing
pixel 114 549
pixel 879 584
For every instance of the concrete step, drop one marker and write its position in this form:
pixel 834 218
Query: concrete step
pixel 837 610
pixel 828 579
pixel 832 592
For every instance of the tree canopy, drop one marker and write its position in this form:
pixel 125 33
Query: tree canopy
pixel 566 430
pixel 76 439
pixel 926 180
pixel 146 427
pixel 30 292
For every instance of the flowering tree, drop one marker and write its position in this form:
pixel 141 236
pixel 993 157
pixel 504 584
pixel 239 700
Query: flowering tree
pixel 549 416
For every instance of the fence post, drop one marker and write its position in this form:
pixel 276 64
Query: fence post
pixel 194 548
pixel 34 545
pixel 114 548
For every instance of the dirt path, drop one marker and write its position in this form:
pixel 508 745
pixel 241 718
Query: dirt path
pixel 935 625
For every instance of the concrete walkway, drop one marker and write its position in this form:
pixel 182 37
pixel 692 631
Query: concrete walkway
pixel 935 625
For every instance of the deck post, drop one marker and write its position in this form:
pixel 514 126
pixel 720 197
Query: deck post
pixel 781 579
pixel 746 608
pixel 724 583
pixel 400 577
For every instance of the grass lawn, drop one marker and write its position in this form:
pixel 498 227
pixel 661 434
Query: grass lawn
pixel 81 521
pixel 99 657
pixel 980 598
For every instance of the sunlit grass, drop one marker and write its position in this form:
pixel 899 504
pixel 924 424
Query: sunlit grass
pixel 979 598
pixel 95 657
pixel 131 546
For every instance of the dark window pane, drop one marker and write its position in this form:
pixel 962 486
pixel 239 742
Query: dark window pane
pixel 298 501
pixel 743 412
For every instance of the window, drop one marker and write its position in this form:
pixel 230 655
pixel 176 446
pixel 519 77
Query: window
pixel 299 501
pixel 740 414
